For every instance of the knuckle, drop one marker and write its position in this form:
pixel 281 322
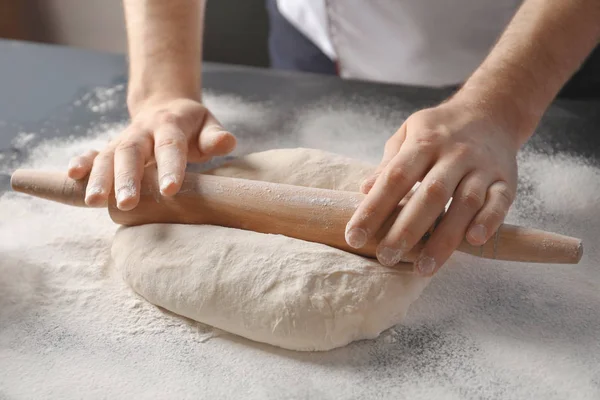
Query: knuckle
pixel 393 176
pixel 464 151
pixel 419 118
pixel 176 142
pixel 472 200
pixel 429 140
pixel 128 146
pixel 167 117
pixel 425 144
pixel 495 216
pixel 437 191
pixel 504 194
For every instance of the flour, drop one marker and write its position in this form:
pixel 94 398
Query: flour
pixel 328 127
pixel 71 328
pixel 23 139
pixel 235 113
pixel 101 99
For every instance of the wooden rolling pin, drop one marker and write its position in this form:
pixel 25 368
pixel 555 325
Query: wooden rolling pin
pixel 316 215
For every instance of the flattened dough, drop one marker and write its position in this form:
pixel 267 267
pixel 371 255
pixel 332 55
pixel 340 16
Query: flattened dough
pixel 269 288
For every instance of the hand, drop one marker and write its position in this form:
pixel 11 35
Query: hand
pixel 456 150
pixel 171 131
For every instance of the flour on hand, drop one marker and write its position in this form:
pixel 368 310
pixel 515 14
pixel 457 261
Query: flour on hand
pixel 269 288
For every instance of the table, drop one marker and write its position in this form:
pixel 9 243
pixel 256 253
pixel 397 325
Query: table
pixel 480 330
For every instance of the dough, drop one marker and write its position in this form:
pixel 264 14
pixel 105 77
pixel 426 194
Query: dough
pixel 269 288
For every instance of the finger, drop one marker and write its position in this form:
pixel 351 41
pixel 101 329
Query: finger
pixel 499 199
pixel 170 151
pixel 130 156
pixel 214 140
pixel 467 201
pixel 101 178
pixel 80 166
pixel 420 213
pixel 391 186
pixel 392 147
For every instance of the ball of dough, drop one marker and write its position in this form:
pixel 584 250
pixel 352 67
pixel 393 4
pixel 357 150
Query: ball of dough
pixel 269 288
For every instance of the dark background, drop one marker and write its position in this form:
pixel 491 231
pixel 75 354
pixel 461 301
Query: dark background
pixel 236 32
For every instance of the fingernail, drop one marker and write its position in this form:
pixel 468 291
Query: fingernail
pixel 425 265
pixel 356 237
pixel 125 192
pixel 92 191
pixel 75 164
pixel 166 181
pixel 478 234
pixel 389 256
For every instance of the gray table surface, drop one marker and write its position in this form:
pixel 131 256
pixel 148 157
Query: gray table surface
pixel 39 89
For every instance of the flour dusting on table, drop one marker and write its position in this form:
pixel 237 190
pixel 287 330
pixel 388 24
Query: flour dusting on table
pixel 70 328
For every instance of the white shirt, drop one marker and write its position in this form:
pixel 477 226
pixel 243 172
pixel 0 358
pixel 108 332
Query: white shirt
pixel 415 42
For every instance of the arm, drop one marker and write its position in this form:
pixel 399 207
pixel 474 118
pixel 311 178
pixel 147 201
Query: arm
pixel 169 124
pixel 544 44
pixel 466 147
pixel 165 46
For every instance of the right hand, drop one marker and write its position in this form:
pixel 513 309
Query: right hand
pixel 171 132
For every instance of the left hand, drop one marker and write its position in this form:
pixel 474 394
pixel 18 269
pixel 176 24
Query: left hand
pixel 168 130
pixel 457 150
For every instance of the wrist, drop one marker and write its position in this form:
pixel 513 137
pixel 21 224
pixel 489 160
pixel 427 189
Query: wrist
pixel 140 95
pixel 162 76
pixel 513 112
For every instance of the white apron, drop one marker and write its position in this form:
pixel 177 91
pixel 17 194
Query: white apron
pixel 414 42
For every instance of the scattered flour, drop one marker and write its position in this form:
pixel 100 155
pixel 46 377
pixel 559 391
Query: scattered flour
pixel 239 116
pixel 101 99
pixel 329 127
pixel 23 139
pixel 70 328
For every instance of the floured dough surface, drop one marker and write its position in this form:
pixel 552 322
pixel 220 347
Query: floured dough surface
pixel 269 288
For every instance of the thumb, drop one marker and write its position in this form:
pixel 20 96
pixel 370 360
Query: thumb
pixel 389 152
pixel 214 140
pixel 368 183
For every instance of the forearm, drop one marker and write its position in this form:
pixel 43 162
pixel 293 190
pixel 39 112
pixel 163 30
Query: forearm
pixel 541 48
pixel 165 42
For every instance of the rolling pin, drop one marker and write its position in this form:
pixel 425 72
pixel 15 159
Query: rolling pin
pixel 315 215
